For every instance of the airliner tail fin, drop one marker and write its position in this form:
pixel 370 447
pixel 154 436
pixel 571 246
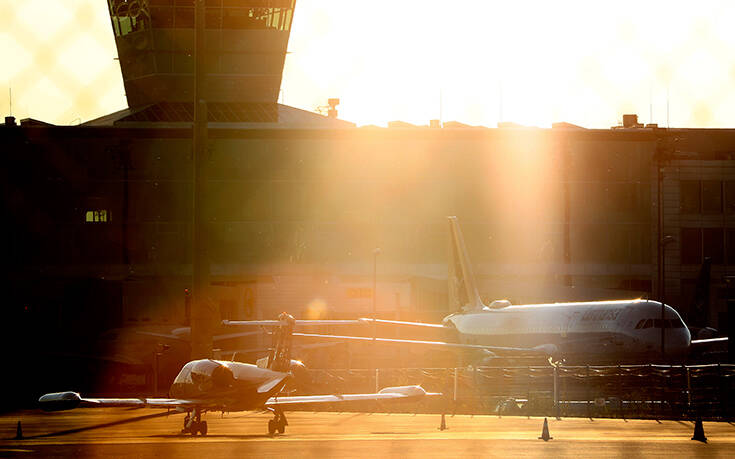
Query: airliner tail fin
pixel 463 292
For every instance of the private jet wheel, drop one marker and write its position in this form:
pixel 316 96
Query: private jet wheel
pixel 194 428
pixel 272 427
pixel 281 427
pixel 203 428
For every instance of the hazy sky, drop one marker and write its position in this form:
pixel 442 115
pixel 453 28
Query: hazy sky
pixel 531 62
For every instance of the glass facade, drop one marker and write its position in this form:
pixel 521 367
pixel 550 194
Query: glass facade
pixel 245 42
pixel 130 16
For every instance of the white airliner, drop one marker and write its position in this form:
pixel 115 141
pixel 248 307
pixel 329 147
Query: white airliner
pixel 596 332
pixel 214 385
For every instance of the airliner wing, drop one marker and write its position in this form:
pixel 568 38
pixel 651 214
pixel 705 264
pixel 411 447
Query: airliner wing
pixel 215 338
pixel 59 401
pixel 389 393
pixel 541 350
pixel 704 342
pixel 366 320
pixel 170 336
pixel 299 322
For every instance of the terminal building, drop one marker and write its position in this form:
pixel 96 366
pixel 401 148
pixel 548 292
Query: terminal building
pixel 99 221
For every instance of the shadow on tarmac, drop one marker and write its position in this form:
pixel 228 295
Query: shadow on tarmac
pixel 221 436
pixel 101 426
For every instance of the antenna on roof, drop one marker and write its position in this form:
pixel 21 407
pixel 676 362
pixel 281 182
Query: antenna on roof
pixel 441 107
pixel 650 105
pixel 500 104
pixel 667 106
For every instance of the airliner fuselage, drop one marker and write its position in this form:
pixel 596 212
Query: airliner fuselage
pixel 590 332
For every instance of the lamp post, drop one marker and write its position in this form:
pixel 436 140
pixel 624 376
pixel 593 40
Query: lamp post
pixel 662 244
pixel 376 252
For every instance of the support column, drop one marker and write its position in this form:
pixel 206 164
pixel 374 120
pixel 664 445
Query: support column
pixel 203 311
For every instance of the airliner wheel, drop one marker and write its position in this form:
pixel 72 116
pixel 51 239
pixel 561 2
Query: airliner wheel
pixel 203 428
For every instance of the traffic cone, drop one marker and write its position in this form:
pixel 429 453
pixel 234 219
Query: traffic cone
pixel 18 432
pixel 545 432
pixel 699 431
pixel 443 425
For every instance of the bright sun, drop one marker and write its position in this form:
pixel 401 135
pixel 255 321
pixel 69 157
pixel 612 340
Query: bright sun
pixel 473 61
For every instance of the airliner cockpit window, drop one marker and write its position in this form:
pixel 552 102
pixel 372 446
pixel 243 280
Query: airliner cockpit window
pixel 640 324
pixel 648 324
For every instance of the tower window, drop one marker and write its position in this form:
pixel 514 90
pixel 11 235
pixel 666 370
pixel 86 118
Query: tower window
pixel 97 216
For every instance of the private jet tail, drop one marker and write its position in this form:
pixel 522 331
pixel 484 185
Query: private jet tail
pixel 279 358
pixel 463 292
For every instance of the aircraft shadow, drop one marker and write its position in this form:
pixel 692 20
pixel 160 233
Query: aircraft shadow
pixel 100 426
pixel 218 436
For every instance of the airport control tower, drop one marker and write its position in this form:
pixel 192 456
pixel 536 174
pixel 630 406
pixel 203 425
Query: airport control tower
pixel 246 43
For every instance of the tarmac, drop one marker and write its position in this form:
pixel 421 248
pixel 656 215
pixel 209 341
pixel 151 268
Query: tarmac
pixel 116 432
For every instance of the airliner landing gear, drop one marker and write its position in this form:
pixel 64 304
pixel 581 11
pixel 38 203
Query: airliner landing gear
pixel 277 424
pixel 193 424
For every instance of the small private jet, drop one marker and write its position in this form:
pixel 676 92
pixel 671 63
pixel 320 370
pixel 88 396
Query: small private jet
pixel 215 385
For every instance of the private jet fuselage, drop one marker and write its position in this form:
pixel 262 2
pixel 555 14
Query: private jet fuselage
pixel 229 386
pixel 586 332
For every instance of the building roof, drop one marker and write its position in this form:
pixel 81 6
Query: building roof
pixel 231 114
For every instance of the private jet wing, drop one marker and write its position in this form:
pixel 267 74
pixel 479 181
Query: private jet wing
pixel 58 401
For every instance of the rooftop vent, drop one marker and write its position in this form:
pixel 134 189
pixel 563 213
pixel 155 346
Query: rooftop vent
pixel 332 113
pixel 631 121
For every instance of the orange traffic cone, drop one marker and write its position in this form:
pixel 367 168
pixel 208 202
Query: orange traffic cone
pixel 545 432
pixel 699 431
pixel 443 425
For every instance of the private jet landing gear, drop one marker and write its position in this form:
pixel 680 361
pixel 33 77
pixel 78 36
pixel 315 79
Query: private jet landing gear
pixel 193 424
pixel 277 424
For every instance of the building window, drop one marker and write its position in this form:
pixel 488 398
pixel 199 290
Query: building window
pixel 97 216
pixel 689 197
pixel 729 189
pixel 712 196
pixel 128 17
pixel 700 196
pixel 713 245
pixel 698 243
pixel 691 246
pixel 730 246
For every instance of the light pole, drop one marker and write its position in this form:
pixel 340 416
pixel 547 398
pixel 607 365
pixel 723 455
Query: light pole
pixel 376 252
pixel 662 244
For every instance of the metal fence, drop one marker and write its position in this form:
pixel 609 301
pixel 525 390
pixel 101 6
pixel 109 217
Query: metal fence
pixel 639 391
